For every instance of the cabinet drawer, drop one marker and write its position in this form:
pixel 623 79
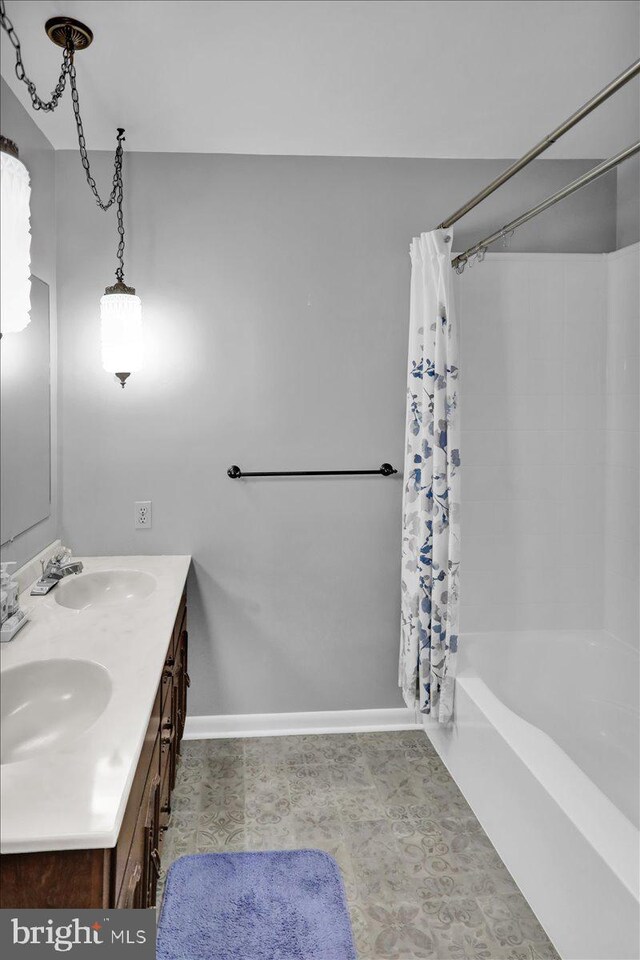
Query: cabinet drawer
pixel 180 624
pixel 173 653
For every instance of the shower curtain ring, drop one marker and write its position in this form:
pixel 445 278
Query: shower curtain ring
pixel 506 236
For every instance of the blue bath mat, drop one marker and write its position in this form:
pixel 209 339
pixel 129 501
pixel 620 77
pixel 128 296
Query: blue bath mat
pixel 281 905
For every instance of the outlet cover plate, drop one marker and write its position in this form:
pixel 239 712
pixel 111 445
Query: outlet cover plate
pixel 142 516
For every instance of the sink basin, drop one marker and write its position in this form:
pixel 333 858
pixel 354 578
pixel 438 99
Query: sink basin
pixel 48 703
pixel 105 588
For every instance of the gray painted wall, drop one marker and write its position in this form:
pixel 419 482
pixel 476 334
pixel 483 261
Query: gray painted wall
pixel 275 294
pixel 38 155
pixel 628 195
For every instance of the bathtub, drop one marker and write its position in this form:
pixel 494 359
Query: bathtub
pixel 545 747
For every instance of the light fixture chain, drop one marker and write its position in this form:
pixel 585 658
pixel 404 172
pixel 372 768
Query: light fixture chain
pixel 69 70
pixel 67 60
pixel 117 165
pixel 119 213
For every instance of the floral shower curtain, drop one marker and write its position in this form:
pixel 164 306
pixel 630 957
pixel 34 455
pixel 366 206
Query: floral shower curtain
pixel 431 500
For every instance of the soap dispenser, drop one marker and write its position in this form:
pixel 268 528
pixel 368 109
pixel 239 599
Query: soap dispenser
pixel 11 616
pixel 9 591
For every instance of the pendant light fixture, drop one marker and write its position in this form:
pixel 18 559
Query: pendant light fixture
pixel 120 308
pixel 15 240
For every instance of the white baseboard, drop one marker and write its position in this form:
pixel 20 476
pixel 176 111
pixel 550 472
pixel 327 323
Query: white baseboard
pixel 292 724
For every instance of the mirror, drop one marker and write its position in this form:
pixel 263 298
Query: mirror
pixel 25 420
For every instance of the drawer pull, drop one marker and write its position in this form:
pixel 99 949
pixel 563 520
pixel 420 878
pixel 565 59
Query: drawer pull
pixel 187 679
pixel 169 662
pixel 165 741
pixel 155 860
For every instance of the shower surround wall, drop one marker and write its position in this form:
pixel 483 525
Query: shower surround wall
pixel 275 293
pixel 621 475
pixel 533 352
pixel 549 350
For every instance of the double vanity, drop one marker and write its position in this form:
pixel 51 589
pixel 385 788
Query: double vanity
pixel 93 705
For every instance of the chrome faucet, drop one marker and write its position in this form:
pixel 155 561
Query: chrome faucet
pixel 56 568
pixel 62 565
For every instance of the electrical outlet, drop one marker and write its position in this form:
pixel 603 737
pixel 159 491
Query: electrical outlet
pixel 143 515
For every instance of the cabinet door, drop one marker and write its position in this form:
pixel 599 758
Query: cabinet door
pixel 165 802
pixel 168 732
pixel 64 879
pixel 167 774
pixel 129 845
pixel 141 841
pixel 151 862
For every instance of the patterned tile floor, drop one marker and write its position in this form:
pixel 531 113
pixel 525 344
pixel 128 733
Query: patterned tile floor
pixel 422 878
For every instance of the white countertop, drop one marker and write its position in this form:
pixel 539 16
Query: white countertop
pixel 75 796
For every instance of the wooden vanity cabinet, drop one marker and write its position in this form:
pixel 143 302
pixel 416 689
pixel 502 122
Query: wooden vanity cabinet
pixel 126 875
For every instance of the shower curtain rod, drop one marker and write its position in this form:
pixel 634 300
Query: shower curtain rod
pixel 581 181
pixel 544 144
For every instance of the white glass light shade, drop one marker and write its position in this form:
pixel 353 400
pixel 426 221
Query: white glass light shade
pixel 121 323
pixel 15 245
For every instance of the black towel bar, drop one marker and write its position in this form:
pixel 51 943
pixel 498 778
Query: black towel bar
pixel 385 470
